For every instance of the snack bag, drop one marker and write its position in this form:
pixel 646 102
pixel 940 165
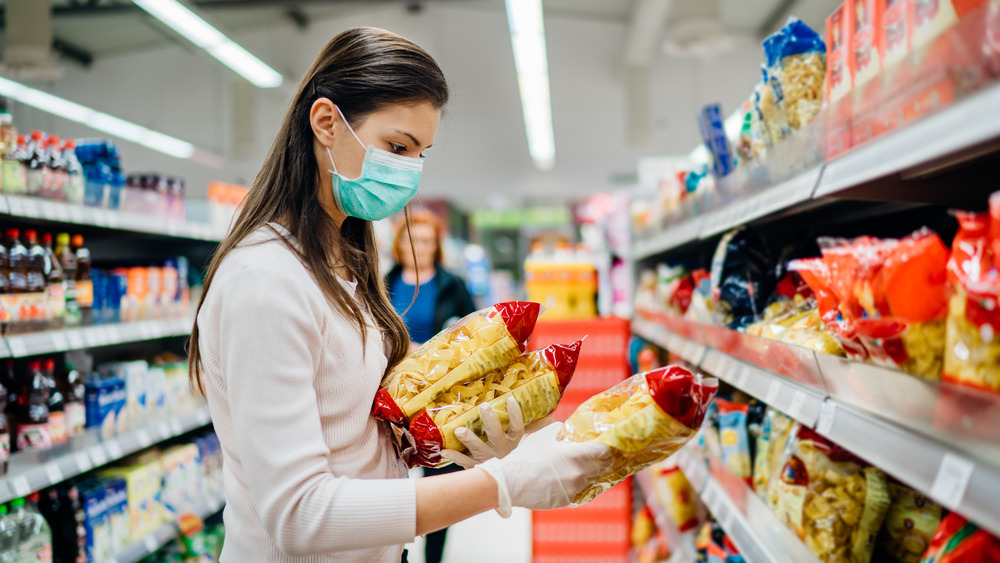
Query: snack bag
pixel 734 438
pixel 676 494
pixel 909 525
pixel 478 344
pixel 772 107
pixel 536 380
pixel 829 499
pixel 959 541
pixel 742 277
pixel 643 419
pixel 774 434
pixel 796 59
pixel 972 352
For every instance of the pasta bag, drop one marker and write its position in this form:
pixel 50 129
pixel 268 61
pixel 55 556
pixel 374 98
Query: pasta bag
pixel 798 59
pixel 474 346
pixel 536 380
pixel 643 419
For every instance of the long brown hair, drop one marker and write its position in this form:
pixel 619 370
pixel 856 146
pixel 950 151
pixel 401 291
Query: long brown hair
pixel 361 70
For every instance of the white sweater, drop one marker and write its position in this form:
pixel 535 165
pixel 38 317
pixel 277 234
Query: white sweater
pixel 309 475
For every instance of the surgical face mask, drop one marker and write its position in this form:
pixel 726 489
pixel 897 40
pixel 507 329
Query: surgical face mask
pixel 387 183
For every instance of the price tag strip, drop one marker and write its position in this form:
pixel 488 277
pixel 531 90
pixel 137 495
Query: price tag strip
pixel 20 486
pixel 795 408
pixel 826 415
pixel 53 473
pixel 83 463
pixel 115 449
pixel 772 392
pixel 18 349
pixel 144 439
pixel 952 480
pixel 150 543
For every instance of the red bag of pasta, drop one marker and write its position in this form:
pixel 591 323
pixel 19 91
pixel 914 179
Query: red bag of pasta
pixel 536 380
pixel 482 342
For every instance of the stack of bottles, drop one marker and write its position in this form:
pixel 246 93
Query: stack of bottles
pixel 92 518
pixel 43 288
pixel 39 165
pixel 45 407
pixel 154 194
pixel 563 280
pixel 102 171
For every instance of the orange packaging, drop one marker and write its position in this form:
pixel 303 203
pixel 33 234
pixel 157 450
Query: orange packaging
pixel 894 39
pixel 839 81
pixel 866 64
pixel 137 291
pixel 933 17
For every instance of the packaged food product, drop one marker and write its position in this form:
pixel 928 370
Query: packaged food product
pixel 772 107
pixel 468 350
pixel 830 499
pixel 734 438
pixel 839 79
pixel 714 136
pixel 866 60
pixel 676 494
pixel 959 541
pixel 643 527
pixel 535 380
pixel 796 57
pixel 972 352
pixel 774 434
pixel 742 278
pixel 643 419
pixel 909 525
pixel 760 136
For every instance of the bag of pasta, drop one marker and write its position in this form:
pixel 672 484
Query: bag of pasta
pixel 643 419
pixel 972 350
pixel 480 343
pixel 774 434
pixel 909 527
pixel 830 499
pixel 796 58
pixel 535 380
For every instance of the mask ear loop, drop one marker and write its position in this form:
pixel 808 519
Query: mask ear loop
pixel 349 128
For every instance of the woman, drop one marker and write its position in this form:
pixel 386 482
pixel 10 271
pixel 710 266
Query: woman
pixel 441 300
pixel 294 332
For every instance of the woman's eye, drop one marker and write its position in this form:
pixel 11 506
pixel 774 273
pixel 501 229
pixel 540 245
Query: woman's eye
pixel 397 148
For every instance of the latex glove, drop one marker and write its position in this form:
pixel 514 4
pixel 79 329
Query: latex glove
pixel 498 444
pixel 544 473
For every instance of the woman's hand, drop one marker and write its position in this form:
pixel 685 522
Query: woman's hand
pixel 498 444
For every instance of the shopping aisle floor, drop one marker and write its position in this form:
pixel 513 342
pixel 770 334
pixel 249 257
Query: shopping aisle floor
pixel 486 538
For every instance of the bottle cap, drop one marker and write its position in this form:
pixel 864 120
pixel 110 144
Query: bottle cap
pixel 50 365
pixel 62 239
pixel 31 234
pixel 37 135
pixel 17 503
pixel 13 233
pixel 47 239
pixel 77 240
pixel 70 144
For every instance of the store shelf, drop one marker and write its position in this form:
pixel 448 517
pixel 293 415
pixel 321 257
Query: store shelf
pixel 682 233
pixel 58 212
pixel 163 535
pixel 48 342
pixel 33 471
pixel 682 545
pixel 781 196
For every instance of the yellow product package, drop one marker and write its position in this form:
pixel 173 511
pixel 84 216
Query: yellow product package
pixel 909 526
pixel 643 419
pixel 774 433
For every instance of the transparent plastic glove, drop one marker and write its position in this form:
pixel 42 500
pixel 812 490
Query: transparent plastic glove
pixel 498 444
pixel 544 473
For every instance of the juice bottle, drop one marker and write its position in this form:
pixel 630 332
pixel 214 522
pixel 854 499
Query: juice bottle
pixel 4 432
pixel 73 392
pixel 75 182
pixel 37 166
pixel 55 285
pixel 33 424
pixel 19 170
pixel 17 275
pixel 36 535
pixel 57 169
pixel 67 259
pixel 10 539
pixel 84 286
pixel 57 415
pixel 38 309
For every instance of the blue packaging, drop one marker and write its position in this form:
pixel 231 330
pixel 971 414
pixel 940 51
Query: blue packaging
pixel 713 133
pixel 105 399
pixel 100 284
pixel 96 520
pixel 116 506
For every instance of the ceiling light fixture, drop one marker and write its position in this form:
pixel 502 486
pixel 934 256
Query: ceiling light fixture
pixel 178 17
pixel 527 38
pixel 96 119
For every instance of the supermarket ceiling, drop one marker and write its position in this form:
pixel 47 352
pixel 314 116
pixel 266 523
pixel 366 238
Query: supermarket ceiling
pixel 605 116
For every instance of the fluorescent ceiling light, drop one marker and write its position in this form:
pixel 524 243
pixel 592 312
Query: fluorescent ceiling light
pixel 179 18
pixel 527 39
pixel 98 120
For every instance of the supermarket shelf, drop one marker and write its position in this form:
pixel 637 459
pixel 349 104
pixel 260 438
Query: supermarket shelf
pixel 682 233
pixel 48 342
pixel 781 196
pixel 58 212
pixel 163 535
pixel 682 545
pixel 965 124
pixel 33 471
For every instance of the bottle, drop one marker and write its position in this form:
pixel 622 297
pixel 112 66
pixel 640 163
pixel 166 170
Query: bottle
pixel 5 301
pixel 75 183
pixel 10 538
pixel 19 186
pixel 67 259
pixel 61 507
pixel 37 309
pixel 17 276
pixel 57 415
pixel 36 535
pixel 11 179
pixel 74 394
pixel 13 404
pixel 57 169
pixel 37 175
pixel 33 423
pixel 55 285
pixel 4 431
pixel 84 286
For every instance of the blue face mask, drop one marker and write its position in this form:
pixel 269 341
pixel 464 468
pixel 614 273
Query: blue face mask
pixel 387 183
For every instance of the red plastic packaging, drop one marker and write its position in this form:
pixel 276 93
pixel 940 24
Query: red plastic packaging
pixel 959 541
pixel 680 395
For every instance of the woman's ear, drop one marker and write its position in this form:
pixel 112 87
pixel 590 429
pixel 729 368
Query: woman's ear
pixel 323 116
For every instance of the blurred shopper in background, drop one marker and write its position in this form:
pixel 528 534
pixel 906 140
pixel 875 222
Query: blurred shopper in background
pixel 441 300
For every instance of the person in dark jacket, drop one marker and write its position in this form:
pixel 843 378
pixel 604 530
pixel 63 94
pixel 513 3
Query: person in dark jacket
pixel 441 300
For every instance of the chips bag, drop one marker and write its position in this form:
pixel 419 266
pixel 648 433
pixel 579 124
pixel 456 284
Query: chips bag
pixel 830 499
pixel 643 419
pixel 675 493
pixel 482 342
pixel 536 380
pixel 972 351
pixel 734 438
pixel 959 541
pixel 909 525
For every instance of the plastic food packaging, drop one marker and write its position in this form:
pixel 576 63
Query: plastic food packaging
pixel 536 380
pixel 742 278
pixel 482 342
pixel 796 59
pixel 972 351
pixel 959 541
pixel 831 500
pixel 774 434
pixel 734 438
pixel 676 494
pixel 909 525
pixel 643 419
